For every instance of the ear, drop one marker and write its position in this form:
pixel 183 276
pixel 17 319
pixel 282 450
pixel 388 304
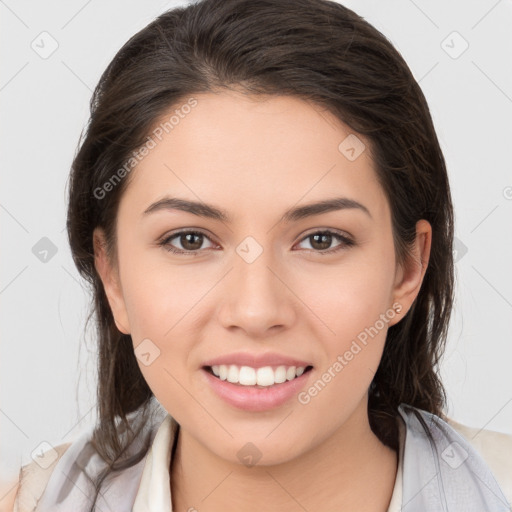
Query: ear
pixel 409 276
pixel 111 282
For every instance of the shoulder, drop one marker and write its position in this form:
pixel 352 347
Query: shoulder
pixel 33 478
pixel 496 450
pixel 8 490
pixel 79 462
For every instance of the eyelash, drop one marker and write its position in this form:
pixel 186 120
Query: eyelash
pixel 346 242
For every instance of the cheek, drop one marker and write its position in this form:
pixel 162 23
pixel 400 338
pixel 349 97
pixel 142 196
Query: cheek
pixel 352 356
pixel 349 297
pixel 159 317
pixel 160 306
pixel 353 303
pixel 156 295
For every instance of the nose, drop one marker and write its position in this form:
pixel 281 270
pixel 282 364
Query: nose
pixel 256 297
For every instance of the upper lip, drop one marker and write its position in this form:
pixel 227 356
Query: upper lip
pixel 256 360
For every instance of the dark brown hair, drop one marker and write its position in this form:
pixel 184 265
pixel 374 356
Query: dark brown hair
pixel 315 50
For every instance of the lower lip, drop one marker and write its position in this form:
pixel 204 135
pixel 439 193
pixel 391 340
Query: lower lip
pixel 249 398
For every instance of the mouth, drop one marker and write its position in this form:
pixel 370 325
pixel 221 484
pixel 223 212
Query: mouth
pixel 259 378
pixel 258 389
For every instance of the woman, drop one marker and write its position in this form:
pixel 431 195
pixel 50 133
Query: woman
pixel 262 208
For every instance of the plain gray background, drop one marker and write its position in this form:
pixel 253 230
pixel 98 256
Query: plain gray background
pixel 47 363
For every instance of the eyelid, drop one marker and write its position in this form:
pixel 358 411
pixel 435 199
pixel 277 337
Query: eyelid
pixel 180 231
pixel 346 239
pixel 335 231
pixel 310 232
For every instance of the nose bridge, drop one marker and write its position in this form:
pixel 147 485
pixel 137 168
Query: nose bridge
pixel 256 297
pixel 254 282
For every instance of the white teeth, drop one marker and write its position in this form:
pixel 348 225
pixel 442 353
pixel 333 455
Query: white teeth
pixel 233 373
pixel 290 373
pixel 265 376
pixel 280 375
pixel 247 376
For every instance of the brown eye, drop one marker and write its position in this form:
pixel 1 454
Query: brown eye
pixel 190 242
pixel 321 241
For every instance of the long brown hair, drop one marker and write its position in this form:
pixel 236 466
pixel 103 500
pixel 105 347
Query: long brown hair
pixel 316 50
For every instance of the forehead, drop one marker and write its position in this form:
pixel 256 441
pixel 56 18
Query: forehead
pixel 252 151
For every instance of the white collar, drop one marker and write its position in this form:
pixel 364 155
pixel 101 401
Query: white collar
pixel 154 490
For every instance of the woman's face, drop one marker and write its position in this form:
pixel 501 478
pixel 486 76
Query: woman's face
pixel 261 281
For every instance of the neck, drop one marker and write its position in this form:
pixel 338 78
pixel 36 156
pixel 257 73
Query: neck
pixel 350 470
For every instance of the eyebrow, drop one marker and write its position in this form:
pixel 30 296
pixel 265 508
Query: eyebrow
pixel 294 214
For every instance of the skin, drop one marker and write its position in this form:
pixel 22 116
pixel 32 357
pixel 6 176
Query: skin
pixel 255 158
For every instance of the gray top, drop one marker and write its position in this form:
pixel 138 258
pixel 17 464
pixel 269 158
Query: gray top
pixel 441 472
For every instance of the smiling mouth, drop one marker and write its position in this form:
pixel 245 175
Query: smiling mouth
pixel 267 376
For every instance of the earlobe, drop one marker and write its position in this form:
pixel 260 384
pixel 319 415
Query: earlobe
pixel 409 277
pixel 111 283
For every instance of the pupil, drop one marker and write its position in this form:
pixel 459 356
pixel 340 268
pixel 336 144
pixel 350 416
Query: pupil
pixel 191 244
pixel 324 244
